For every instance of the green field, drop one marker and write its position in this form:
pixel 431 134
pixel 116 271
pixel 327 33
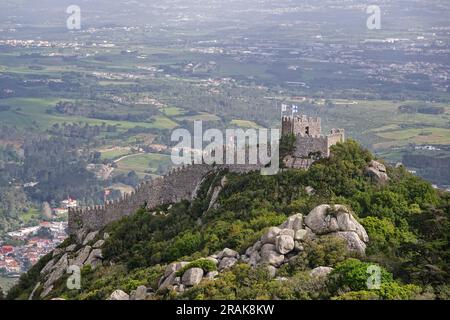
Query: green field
pixel 419 136
pixel 244 123
pixel 162 122
pixel 172 111
pixel 143 164
pixel 114 153
pixel 32 213
pixel 31 112
pixel 203 116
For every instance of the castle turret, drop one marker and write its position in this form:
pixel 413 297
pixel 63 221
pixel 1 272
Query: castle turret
pixel 301 125
pixel 309 139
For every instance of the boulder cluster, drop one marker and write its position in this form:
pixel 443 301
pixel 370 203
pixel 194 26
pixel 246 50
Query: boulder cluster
pixel 277 246
pixel 89 253
pixel 141 293
pixel 192 276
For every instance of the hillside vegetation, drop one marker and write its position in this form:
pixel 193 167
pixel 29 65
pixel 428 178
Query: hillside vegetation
pixel 407 222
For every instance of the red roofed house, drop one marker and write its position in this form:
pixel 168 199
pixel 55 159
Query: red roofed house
pixel 6 249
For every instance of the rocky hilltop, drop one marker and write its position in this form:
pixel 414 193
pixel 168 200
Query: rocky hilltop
pixel 300 234
pixel 276 247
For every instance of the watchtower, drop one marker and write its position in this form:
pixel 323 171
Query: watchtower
pixel 301 125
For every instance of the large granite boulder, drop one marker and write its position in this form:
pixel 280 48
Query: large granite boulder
pixel 377 171
pixel 174 267
pixel 166 282
pixel 271 235
pixel 227 262
pixel 338 221
pixel 119 295
pixel 285 244
pixel 56 272
pixel 227 253
pixel 89 237
pixel 254 258
pixel 325 219
pixel 81 256
pixel 98 244
pixel 269 255
pixel 71 248
pixel 279 245
pixel 139 294
pixel 95 258
pixel 320 272
pixel 294 222
pixel 211 275
pixel 354 242
pixel 192 277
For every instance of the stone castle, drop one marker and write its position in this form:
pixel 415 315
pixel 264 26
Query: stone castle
pixel 182 183
pixel 309 138
pixel 310 144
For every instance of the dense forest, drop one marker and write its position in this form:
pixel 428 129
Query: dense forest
pixel 407 222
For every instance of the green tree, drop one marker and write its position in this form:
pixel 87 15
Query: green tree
pixel 353 274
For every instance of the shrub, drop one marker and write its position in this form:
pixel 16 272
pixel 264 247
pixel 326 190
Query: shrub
pixel 358 295
pixel 205 264
pixel 384 236
pixel 323 251
pixel 352 275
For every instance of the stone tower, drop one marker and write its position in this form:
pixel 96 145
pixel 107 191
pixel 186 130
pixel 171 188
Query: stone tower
pixel 309 138
pixel 301 125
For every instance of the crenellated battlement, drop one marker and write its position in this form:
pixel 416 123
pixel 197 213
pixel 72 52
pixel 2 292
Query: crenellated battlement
pixel 179 184
pixel 301 125
pixel 310 139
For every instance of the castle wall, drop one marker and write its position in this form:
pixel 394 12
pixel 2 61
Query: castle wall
pixel 310 144
pixel 180 184
pixel 183 183
pixel 336 136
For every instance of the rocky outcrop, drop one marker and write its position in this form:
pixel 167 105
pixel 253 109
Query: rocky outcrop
pixel 174 267
pixel 337 221
pixel 192 277
pixel 223 260
pixel 53 274
pixel 227 263
pixel 81 256
pixel 216 191
pixel 285 243
pixel 325 219
pixel 354 242
pixel 119 295
pixel 377 171
pixel 320 272
pixel 62 258
pixel 280 243
pixel 277 246
pixel 95 258
pixel 89 237
pixel 142 293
